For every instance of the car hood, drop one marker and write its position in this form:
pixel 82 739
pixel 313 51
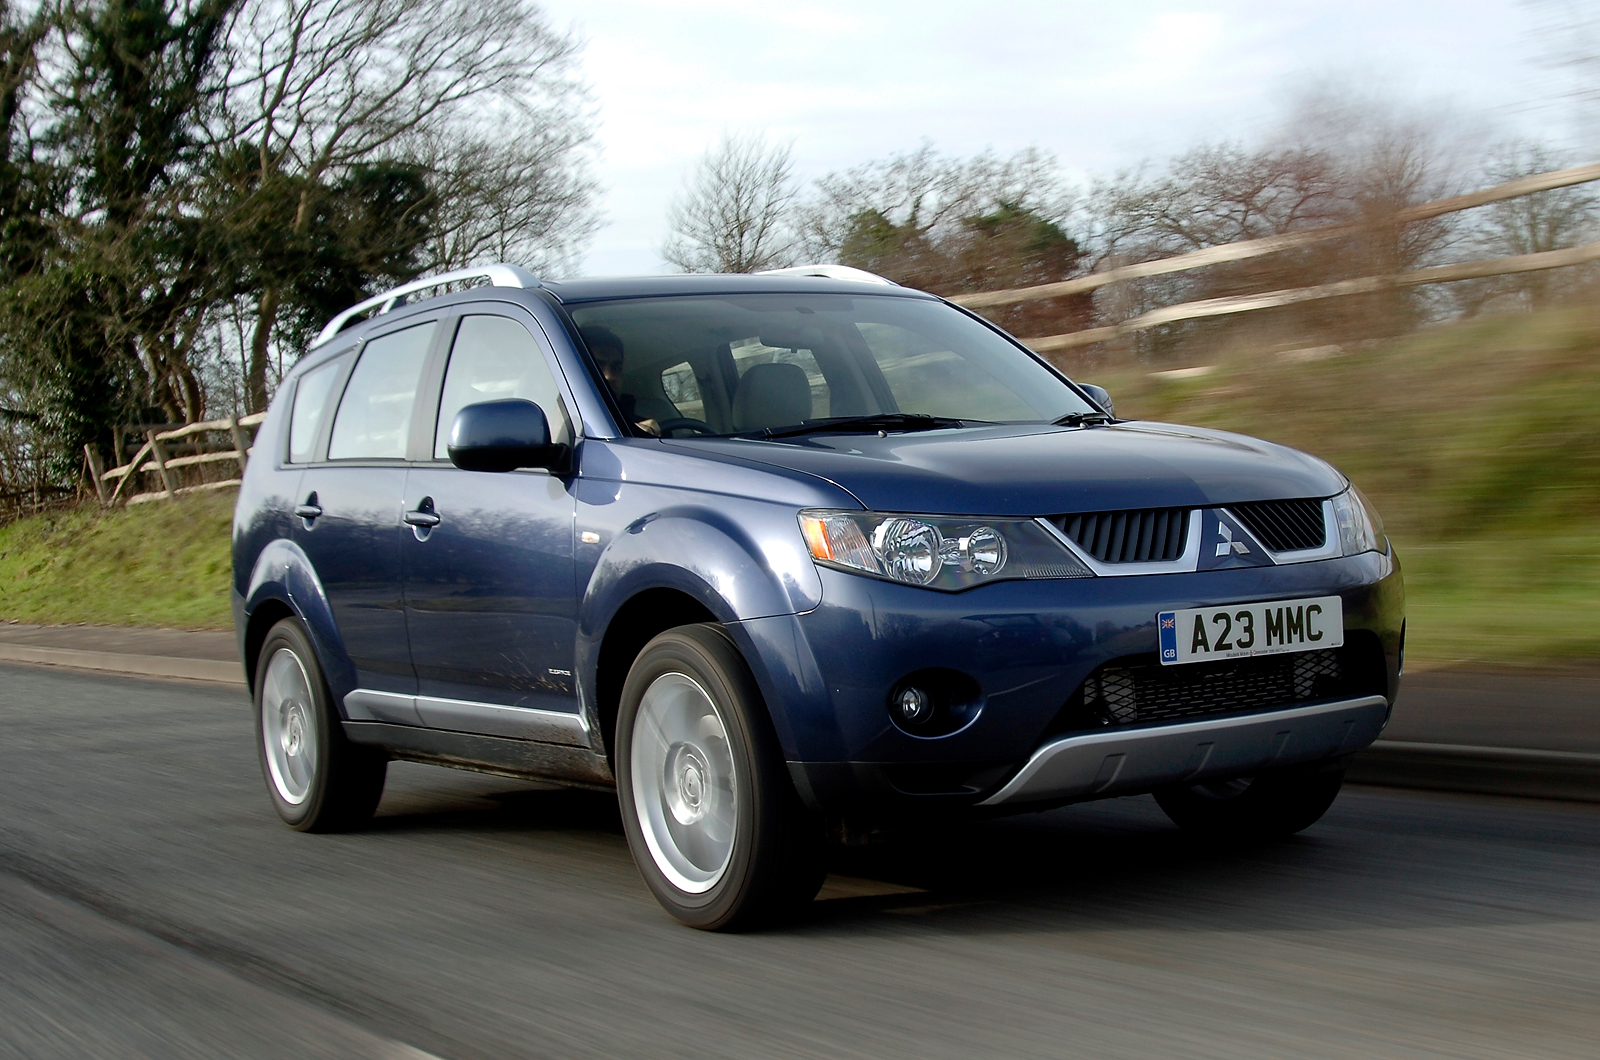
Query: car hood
pixel 1031 470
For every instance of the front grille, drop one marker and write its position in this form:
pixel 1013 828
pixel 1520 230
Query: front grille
pixel 1284 526
pixel 1137 690
pixel 1148 536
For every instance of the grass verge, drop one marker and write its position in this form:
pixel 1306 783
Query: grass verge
pixel 164 563
pixel 1479 443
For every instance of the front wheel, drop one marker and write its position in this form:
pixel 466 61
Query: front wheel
pixel 711 816
pixel 1267 806
pixel 319 781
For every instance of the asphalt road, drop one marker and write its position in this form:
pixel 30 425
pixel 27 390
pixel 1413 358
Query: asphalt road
pixel 151 905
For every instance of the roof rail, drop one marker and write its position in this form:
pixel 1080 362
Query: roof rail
pixel 497 275
pixel 831 272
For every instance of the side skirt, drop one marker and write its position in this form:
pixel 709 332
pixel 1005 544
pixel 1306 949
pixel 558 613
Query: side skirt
pixel 522 759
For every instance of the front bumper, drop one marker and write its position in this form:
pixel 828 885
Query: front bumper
pixel 1089 765
pixel 827 676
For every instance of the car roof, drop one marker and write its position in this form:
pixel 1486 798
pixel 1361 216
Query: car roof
pixel 599 288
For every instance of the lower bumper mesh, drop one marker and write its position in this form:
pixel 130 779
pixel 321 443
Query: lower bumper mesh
pixel 1137 690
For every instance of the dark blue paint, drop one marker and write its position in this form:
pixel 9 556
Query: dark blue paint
pixel 354 547
pixel 488 591
pixel 1041 470
pixel 506 592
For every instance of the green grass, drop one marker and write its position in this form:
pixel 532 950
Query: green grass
pixel 1479 443
pixel 164 563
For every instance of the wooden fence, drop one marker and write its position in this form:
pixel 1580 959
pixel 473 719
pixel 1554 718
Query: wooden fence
pixel 153 458
pixel 1255 248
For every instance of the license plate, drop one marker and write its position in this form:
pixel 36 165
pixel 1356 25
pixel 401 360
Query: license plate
pixel 1239 631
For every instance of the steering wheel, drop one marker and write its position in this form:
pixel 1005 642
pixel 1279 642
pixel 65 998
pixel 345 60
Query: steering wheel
pixel 684 423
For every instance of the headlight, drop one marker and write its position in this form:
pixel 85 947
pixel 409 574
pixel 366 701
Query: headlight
pixel 1360 529
pixel 936 551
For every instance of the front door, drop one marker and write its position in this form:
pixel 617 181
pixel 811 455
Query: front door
pixel 490 595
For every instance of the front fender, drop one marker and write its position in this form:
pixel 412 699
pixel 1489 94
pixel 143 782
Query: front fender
pixel 283 572
pixel 737 569
pixel 711 557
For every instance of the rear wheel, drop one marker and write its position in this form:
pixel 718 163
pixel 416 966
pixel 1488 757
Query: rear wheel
pixel 1266 806
pixel 319 781
pixel 711 816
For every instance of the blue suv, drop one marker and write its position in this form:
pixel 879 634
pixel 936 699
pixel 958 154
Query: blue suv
pixel 785 559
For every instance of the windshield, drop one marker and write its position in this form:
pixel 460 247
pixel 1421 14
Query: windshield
pixel 736 364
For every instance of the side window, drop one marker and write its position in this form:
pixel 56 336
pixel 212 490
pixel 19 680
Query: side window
pixel 750 352
pixel 310 406
pixel 494 357
pixel 683 390
pixel 374 418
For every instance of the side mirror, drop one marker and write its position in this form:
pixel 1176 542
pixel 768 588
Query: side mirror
pixel 1101 397
pixel 503 436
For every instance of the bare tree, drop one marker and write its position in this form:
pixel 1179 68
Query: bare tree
pixel 922 195
pixel 1211 195
pixel 954 225
pixel 733 214
pixel 520 199
pixel 318 87
pixel 1530 224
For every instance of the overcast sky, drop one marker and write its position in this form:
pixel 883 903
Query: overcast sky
pixel 1101 85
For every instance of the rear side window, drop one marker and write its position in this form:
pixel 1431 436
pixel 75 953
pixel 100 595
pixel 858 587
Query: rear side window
pixel 749 352
pixel 310 406
pixel 495 358
pixel 374 418
pixel 683 390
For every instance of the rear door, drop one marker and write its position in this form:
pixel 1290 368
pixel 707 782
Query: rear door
pixel 490 595
pixel 349 507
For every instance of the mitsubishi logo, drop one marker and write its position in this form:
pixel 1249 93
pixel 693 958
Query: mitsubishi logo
pixel 1228 542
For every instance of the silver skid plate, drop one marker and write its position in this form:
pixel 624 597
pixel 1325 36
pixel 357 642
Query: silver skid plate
pixel 1104 763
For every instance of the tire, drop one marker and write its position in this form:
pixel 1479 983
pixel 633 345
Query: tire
pixel 711 815
pixel 318 780
pixel 1267 806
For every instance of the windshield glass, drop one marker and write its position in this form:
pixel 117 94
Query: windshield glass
pixel 733 364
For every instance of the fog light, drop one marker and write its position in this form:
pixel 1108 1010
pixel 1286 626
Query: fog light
pixel 915 706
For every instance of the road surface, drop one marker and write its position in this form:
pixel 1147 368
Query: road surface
pixel 151 905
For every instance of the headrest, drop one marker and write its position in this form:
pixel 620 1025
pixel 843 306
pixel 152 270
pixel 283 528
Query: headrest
pixel 771 395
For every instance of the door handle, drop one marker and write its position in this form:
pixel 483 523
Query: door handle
pixel 422 519
pixel 309 510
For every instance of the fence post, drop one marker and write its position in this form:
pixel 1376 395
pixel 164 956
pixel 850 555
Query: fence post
pixel 241 442
pixel 158 453
pixel 96 469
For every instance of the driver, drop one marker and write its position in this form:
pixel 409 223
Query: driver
pixel 607 351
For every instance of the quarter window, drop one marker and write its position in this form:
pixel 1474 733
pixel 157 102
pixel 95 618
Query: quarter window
pixel 374 418
pixel 310 406
pixel 494 358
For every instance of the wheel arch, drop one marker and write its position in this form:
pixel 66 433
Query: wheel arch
pixel 267 613
pixel 640 619
pixel 283 584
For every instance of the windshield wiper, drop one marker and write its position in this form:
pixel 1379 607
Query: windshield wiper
pixel 1082 419
pixel 882 421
